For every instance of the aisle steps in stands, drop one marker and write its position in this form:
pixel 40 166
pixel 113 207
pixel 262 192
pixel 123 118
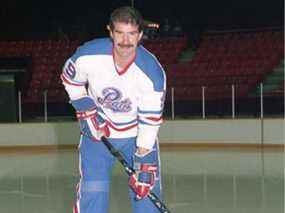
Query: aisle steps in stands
pixel 273 80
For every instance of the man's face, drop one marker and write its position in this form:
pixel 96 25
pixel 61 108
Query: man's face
pixel 126 38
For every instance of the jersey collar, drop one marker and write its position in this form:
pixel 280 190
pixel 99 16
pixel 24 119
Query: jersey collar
pixel 124 69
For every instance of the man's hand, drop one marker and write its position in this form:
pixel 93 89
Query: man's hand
pixel 143 180
pixel 92 124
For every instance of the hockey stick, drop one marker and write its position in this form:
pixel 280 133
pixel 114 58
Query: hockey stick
pixel 129 170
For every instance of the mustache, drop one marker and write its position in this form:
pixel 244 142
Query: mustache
pixel 125 45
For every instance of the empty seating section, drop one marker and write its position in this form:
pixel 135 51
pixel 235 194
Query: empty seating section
pixel 239 58
pixel 49 56
pixel 242 59
pixel 47 60
pixel 167 50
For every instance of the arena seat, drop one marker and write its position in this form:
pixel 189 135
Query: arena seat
pixel 240 58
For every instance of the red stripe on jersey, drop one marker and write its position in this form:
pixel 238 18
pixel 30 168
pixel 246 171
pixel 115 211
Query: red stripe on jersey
pixel 75 210
pixel 121 129
pixel 65 80
pixel 154 118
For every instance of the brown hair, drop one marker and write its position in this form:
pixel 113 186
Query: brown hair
pixel 127 15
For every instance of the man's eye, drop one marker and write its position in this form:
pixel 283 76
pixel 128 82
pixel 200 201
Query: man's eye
pixel 118 32
pixel 133 33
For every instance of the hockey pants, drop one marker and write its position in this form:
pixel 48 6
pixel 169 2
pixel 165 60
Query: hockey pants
pixel 95 164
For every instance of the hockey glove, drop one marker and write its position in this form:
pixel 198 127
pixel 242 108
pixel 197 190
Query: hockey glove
pixel 92 124
pixel 143 180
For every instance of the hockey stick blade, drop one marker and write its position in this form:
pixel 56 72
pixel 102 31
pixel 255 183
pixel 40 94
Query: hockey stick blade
pixel 129 170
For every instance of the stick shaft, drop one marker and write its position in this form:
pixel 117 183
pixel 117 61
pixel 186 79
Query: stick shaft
pixel 129 170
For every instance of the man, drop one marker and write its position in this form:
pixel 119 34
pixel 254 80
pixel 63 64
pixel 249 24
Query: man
pixel 117 89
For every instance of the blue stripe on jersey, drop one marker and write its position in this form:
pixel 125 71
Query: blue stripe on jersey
pixel 151 67
pixel 102 46
pixel 143 122
pixel 149 112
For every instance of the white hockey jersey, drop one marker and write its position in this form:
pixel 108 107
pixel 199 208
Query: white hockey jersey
pixel 131 100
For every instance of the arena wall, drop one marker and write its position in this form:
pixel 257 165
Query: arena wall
pixel 177 132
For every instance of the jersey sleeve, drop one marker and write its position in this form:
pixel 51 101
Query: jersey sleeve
pixel 73 77
pixel 150 107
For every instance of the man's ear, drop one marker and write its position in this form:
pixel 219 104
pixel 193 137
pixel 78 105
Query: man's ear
pixel 110 31
pixel 141 35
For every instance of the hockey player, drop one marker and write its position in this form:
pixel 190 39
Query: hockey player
pixel 117 88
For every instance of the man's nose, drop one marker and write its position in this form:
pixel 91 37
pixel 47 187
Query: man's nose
pixel 125 39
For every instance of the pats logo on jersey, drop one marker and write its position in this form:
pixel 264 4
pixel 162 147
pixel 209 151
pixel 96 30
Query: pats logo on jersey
pixel 113 99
